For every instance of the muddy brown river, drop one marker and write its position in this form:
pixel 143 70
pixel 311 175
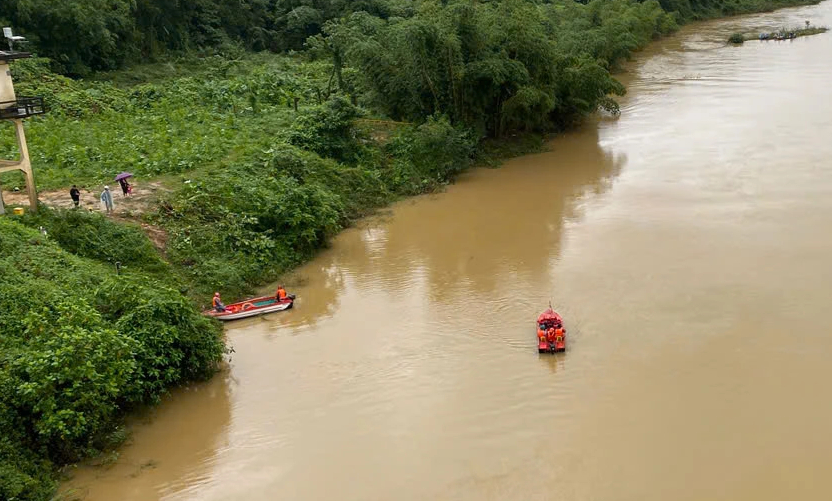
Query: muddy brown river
pixel 688 245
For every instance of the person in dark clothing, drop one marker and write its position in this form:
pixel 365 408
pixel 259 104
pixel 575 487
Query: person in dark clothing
pixel 76 195
pixel 125 186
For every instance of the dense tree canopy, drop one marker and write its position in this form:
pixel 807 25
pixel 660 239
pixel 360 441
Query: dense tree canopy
pixel 494 66
pixel 87 35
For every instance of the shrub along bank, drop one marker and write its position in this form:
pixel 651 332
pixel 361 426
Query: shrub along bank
pixel 233 228
pixel 80 346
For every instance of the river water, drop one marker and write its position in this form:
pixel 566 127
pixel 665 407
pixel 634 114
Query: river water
pixel 687 245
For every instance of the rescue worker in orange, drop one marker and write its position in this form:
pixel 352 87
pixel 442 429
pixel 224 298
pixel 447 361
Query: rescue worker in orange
pixel 550 334
pixel 281 293
pixel 217 303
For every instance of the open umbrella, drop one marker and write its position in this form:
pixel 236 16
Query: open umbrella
pixel 123 175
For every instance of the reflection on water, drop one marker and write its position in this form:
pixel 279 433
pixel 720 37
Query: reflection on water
pixel 685 243
pixel 172 448
pixel 486 228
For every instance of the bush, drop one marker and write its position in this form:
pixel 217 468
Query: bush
pixel 328 130
pixel 79 346
pixel 173 344
pixel 24 476
pixel 427 155
pixel 360 187
pixel 94 236
pixel 736 38
pixel 68 374
pixel 248 223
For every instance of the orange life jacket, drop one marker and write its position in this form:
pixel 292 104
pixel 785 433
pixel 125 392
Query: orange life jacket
pixel 281 294
pixel 215 302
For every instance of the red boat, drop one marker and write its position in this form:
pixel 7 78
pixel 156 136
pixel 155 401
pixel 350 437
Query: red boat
pixel 252 307
pixel 551 336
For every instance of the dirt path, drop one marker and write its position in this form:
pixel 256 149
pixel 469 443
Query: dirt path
pixel 142 200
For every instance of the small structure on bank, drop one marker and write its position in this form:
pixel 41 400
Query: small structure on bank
pixel 781 34
pixel 16 108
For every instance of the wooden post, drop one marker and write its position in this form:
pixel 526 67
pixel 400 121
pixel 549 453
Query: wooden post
pixel 26 166
pixel 23 164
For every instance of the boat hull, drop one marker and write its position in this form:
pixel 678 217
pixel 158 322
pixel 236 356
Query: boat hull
pixel 548 339
pixel 251 308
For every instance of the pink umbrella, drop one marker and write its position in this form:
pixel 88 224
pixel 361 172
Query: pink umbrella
pixel 123 175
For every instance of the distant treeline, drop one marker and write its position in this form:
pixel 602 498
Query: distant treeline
pixel 492 66
pixel 93 35
pixel 81 36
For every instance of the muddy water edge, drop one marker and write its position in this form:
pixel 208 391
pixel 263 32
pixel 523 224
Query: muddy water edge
pixel 687 244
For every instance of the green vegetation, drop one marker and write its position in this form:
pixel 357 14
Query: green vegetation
pixel 503 67
pixel 80 345
pixel 95 237
pixel 81 37
pixel 96 129
pixel 236 227
pixel 296 151
pixel 736 38
pixel 274 124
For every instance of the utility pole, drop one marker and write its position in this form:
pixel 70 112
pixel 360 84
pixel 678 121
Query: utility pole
pixel 16 108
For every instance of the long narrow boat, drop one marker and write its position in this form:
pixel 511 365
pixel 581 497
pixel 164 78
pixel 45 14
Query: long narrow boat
pixel 252 308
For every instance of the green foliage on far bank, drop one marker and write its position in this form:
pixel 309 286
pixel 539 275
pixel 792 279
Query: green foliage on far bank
pixel 696 10
pixel 80 345
pixel 499 66
pixel 86 36
pixel 82 36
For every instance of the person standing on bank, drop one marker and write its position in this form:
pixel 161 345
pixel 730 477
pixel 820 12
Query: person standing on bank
pixel 75 194
pixel 107 200
pixel 125 186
